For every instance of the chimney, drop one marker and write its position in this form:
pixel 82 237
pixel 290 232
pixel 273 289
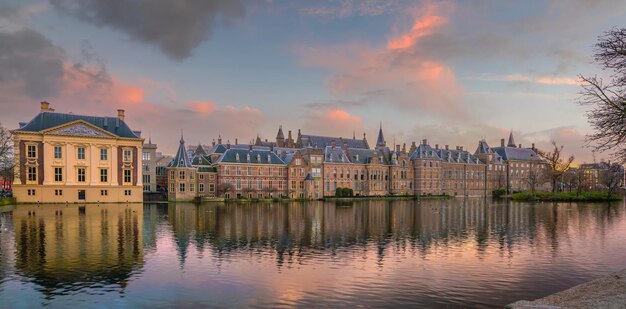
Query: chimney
pixel 219 139
pixel 213 143
pixel 520 145
pixel 228 144
pixel 447 147
pixel 45 107
pixel 425 141
pixel 344 146
pixel 397 148
pixel 271 147
pixel 533 146
pixel 461 148
pixel 236 142
pixel 436 146
pixel 404 147
pixel 250 147
pixel 502 142
pixel 120 114
pixel 333 143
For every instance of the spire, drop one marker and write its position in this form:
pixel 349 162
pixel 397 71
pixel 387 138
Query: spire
pixel 150 140
pixel 280 134
pixel 182 158
pixel 511 140
pixel 380 142
pixel 353 134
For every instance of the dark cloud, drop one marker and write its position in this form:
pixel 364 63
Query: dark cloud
pixel 29 61
pixel 175 27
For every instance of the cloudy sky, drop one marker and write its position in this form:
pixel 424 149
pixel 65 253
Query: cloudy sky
pixel 451 72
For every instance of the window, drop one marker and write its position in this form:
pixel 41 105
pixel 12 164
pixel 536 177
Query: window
pixel 181 187
pixel 58 192
pixel 58 152
pixel 238 184
pixel 31 192
pixel 293 184
pixel 146 179
pixel 181 175
pixel 128 192
pixel 298 161
pixel 127 176
pixel 172 187
pixel 192 175
pixel 211 187
pixel 104 192
pixel 32 151
pixel 201 176
pixel 259 184
pixel 145 156
pixel 127 155
pixel 191 187
pixel 81 174
pixel 32 174
pixel 201 187
pixel 104 154
pixel 58 174
pixel 80 153
pixel 104 175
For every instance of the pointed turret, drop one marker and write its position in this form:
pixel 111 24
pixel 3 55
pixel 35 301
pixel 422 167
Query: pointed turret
pixel 182 158
pixel 380 142
pixel 511 140
pixel 199 151
pixel 258 141
pixel 280 137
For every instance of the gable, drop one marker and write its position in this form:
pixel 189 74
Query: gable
pixel 79 128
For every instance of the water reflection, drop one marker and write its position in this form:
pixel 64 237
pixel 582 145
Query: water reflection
pixel 68 248
pixel 471 252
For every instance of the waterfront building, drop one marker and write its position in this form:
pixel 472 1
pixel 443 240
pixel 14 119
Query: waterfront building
pixel 316 166
pixel 67 158
pixel 149 166
pixel 525 170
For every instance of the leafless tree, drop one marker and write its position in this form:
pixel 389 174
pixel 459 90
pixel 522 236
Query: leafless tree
pixel 6 155
pixel 558 165
pixel 611 177
pixel 536 177
pixel 607 100
pixel 224 188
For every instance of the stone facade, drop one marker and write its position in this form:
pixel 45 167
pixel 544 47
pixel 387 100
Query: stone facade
pixel 66 158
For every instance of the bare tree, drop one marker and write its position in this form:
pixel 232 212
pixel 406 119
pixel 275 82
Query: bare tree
pixel 607 100
pixel 224 188
pixel 611 177
pixel 558 165
pixel 536 177
pixel 7 162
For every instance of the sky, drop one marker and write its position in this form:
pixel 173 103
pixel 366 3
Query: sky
pixel 452 72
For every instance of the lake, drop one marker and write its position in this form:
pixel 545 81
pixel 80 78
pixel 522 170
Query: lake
pixel 438 253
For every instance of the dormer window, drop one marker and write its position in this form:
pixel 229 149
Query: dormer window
pixel 269 158
pixel 237 157
pixel 258 158
pixel 357 157
pixel 248 157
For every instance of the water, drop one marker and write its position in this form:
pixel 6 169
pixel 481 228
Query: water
pixel 470 253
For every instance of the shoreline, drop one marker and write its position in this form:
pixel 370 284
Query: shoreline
pixel 606 292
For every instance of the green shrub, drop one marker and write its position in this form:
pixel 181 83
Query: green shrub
pixel 565 196
pixel 498 192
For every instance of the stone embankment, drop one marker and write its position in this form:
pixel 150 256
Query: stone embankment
pixel 607 292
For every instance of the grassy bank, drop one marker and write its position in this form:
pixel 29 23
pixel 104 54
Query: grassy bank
pixel 7 201
pixel 565 197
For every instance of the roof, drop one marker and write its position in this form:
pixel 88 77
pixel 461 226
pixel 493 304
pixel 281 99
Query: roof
pixel 200 160
pixel 182 158
pixel 249 156
pixel 457 156
pixel 280 134
pixel 424 151
pixel 335 155
pixel 514 153
pixel 317 141
pixel 207 169
pixel 47 120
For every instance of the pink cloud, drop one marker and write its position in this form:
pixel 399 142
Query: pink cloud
pixel 205 108
pixel 422 26
pixel 392 74
pixel 333 121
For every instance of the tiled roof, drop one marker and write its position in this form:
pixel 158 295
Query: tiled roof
pixel 200 160
pixel 325 141
pixel 424 152
pixel 47 120
pixel 335 155
pixel 250 156
pixel 182 157
pixel 360 156
pixel 457 156
pixel 512 153
pixel 207 169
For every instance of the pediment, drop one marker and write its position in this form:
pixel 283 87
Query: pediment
pixel 79 128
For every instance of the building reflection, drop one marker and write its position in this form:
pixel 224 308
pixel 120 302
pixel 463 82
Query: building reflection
pixel 64 248
pixel 292 230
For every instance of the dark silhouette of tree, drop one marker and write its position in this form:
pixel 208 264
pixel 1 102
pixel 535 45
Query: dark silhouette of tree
pixel 6 155
pixel 558 165
pixel 611 177
pixel 607 100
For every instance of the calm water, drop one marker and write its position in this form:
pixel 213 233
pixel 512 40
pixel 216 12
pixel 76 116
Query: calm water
pixel 472 252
